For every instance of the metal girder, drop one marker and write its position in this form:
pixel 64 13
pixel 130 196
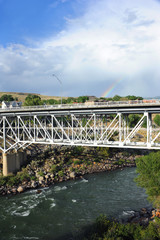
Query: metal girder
pixel 105 129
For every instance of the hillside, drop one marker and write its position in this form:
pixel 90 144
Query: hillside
pixel 21 96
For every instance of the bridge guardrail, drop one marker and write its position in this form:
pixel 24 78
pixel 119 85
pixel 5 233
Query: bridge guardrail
pixel 86 105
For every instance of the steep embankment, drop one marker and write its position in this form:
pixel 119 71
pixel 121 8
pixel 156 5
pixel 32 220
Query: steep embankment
pixel 63 163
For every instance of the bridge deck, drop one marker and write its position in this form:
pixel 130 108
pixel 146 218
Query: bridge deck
pixel 126 107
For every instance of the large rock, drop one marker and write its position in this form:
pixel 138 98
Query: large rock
pixel 14 190
pixel 41 178
pixel 47 176
pixel 34 184
pixel 72 175
pixel 20 189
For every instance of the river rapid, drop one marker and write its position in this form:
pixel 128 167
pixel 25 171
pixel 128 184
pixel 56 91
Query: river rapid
pixel 63 210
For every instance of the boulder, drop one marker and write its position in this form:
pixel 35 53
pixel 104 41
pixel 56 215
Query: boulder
pixel 41 178
pixel 72 175
pixel 14 190
pixel 34 184
pixel 47 176
pixel 20 189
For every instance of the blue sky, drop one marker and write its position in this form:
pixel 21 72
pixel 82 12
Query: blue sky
pixel 88 44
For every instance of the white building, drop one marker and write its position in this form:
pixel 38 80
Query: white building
pixel 11 104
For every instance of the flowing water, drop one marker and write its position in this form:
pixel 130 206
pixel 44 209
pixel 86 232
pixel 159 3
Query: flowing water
pixel 61 211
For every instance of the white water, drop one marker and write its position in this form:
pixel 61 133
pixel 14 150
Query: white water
pixel 61 211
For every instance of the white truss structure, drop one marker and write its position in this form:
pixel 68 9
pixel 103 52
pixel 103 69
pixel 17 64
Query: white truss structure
pixel 86 128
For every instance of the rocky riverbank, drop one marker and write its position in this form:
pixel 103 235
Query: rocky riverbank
pixel 140 225
pixel 63 163
pixel 141 217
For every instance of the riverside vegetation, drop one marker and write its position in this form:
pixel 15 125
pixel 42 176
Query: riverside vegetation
pixel 148 169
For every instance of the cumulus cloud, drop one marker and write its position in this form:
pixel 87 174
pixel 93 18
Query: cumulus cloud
pixel 111 40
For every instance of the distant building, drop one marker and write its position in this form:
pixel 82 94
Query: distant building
pixel 149 101
pixel 11 104
pixel 92 98
pixel 89 103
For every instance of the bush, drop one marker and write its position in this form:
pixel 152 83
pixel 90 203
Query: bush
pixel 54 168
pixel 13 180
pixel 3 180
pixel 40 173
pixel 32 100
pixel 133 119
pixel 157 120
pixel 78 150
pixel 23 176
pixel 34 178
pixel 105 229
pixel 7 98
pixel 104 151
pixel 116 98
pixel 61 173
pixel 148 168
pixel 119 162
pixel 77 162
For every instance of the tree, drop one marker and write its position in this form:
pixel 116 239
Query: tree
pixel 157 119
pixel 82 99
pixel 131 97
pixel 7 98
pixel 116 98
pixel 51 101
pixel 148 168
pixel 109 99
pixel 71 100
pixel 140 98
pixel 32 100
pixel 133 119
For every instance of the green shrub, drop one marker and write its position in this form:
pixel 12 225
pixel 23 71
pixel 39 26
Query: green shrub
pixel 40 173
pixel 105 229
pixel 121 161
pixel 23 176
pixel 34 178
pixel 61 173
pixel 70 161
pixel 53 168
pixel 13 180
pixel 157 119
pixel 77 162
pixel 148 168
pixel 104 151
pixel 78 149
pixel 3 180
pixel 133 119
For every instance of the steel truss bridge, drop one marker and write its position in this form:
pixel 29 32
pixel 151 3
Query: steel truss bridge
pixel 105 125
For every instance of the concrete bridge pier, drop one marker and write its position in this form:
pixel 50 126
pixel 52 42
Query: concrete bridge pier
pixel 12 162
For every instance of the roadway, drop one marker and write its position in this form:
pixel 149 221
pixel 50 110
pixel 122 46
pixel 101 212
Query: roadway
pixel 110 107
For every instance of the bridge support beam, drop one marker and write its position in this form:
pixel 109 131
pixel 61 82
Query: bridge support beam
pixel 13 162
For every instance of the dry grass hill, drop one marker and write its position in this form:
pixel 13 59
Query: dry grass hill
pixel 21 96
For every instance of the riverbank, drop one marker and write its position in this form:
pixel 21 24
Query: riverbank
pixel 59 164
pixel 105 228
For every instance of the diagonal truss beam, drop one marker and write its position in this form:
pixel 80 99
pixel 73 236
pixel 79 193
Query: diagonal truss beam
pixel 18 131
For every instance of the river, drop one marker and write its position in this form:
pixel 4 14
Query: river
pixel 61 211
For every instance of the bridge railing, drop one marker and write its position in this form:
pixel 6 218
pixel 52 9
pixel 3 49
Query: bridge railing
pixel 87 105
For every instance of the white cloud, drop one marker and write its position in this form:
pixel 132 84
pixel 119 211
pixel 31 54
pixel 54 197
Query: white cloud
pixel 113 39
